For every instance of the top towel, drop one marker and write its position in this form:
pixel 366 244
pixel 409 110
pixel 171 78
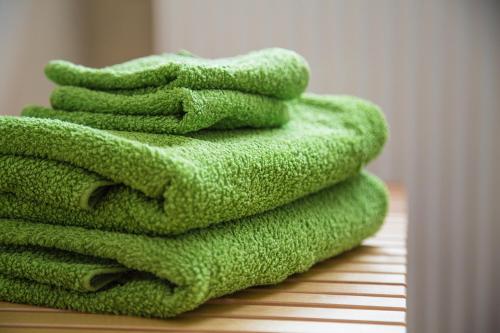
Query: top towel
pixel 178 93
pixel 272 72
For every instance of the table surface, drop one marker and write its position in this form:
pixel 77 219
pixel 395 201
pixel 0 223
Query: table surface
pixel 363 290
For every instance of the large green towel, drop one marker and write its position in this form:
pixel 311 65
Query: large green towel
pixel 62 266
pixel 163 184
pixel 178 93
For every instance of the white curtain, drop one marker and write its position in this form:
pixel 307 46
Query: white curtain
pixel 434 67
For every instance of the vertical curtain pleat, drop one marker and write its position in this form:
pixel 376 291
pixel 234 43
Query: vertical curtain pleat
pixel 433 66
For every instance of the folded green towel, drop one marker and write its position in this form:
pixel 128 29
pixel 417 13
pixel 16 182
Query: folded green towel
pixel 63 266
pixel 178 93
pixel 161 184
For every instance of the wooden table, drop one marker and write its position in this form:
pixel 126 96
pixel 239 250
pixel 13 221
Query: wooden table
pixel 363 290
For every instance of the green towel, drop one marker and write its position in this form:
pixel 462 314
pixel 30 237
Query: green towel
pixel 163 184
pixel 63 266
pixel 178 93
pixel 151 209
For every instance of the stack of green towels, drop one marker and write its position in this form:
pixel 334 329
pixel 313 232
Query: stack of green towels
pixel 155 185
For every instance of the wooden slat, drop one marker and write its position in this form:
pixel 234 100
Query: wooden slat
pixel 372 249
pixel 362 290
pixel 346 266
pixel 329 276
pixel 300 313
pixel 185 324
pixel 328 301
pixel 37 329
pixel 266 312
pixel 385 243
pixel 336 288
pixel 396 217
pixel 393 228
pixel 368 258
pixel 390 236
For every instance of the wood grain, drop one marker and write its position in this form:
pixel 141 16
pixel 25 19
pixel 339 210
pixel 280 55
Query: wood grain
pixel 363 290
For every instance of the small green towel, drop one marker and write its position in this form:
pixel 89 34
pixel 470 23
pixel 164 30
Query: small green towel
pixel 109 272
pixel 178 93
pixel 163 184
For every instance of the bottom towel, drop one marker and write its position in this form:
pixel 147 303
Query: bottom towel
pixel 108 272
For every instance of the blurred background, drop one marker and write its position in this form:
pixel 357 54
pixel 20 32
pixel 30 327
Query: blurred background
pixel 433 67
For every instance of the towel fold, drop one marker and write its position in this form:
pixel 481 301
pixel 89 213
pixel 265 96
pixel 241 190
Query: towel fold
pixel 163 184
pixel 178 93
pixel 174 111
pixel 110 272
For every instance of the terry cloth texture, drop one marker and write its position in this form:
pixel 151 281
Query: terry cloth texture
pixel 63 266
pixel 178 93
pixel 163 184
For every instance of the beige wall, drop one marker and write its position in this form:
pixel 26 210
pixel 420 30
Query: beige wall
pixel 91 32
pixel 33 32
pixel 118 30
